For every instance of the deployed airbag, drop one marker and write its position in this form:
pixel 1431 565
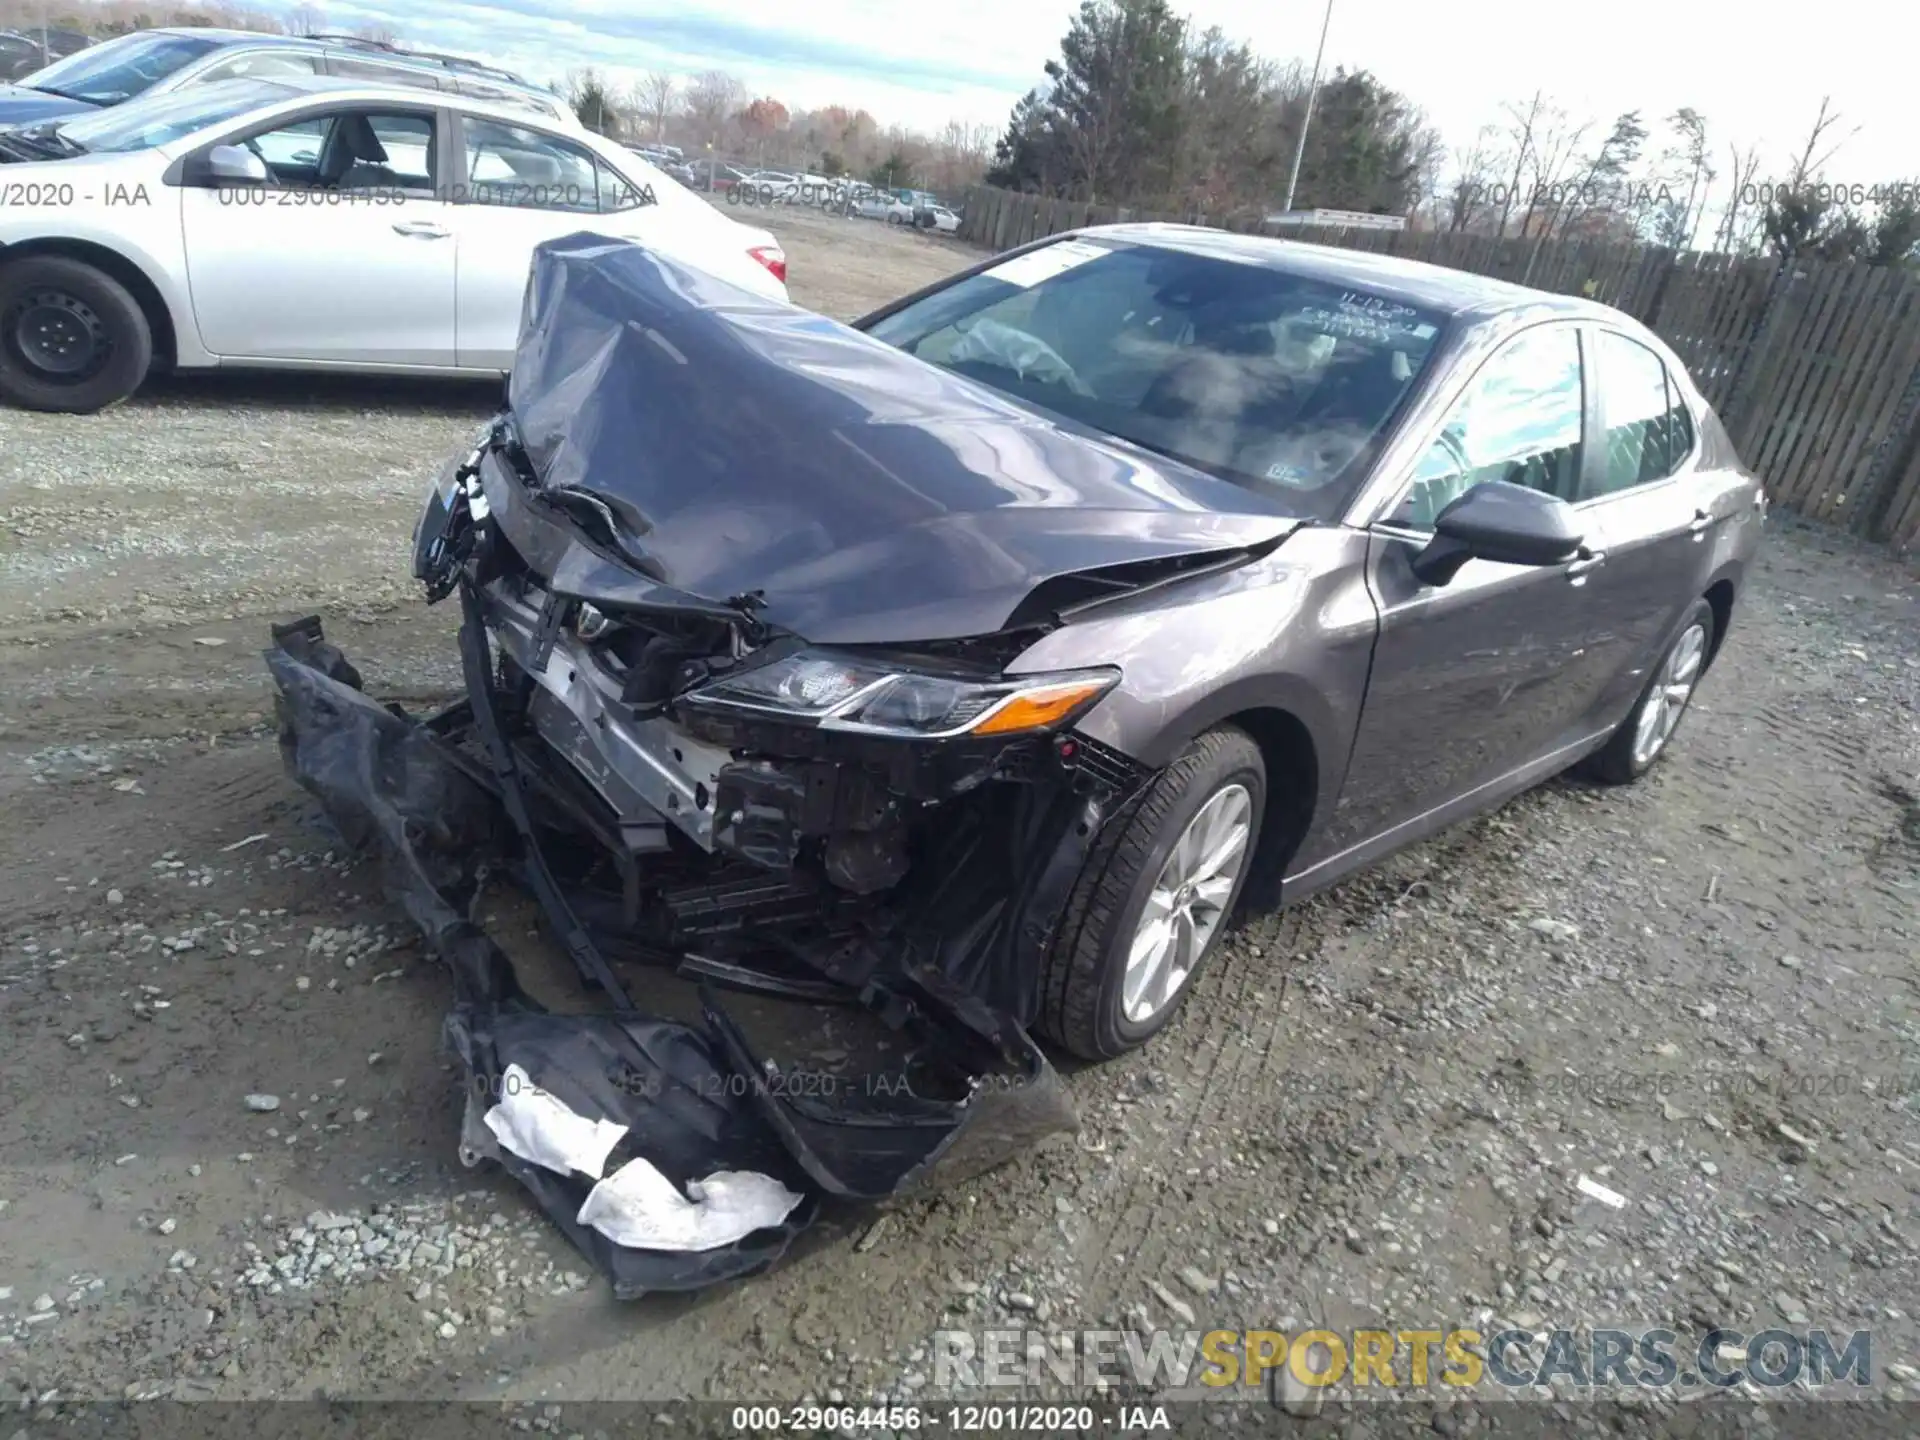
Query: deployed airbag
pixel 639 1207
pixel 537 1127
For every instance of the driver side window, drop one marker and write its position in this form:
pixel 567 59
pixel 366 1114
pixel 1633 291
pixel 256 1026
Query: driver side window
pixel 350 150
pixel 1521 420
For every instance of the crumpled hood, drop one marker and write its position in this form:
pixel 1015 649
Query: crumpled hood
pixel 23 105
pixel 866 495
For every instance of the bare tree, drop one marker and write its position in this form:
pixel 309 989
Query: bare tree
pixel 1602 193
pixel 1554 142
pixel 378 34
pixel 1730 237
pixel 1472 195
pixel 653 99
pixel 306 19
pixel 710 101
pixel 1813 159
pixel 1688 159
pixel 1525 121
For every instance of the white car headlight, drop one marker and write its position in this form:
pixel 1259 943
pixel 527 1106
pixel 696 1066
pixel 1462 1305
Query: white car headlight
pixel 841 692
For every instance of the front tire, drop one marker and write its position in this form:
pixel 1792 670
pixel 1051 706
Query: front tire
pixel 1155 897
pixel 72 338
pixel 1643 737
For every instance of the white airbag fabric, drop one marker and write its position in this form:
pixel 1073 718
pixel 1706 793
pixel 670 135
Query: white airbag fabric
pixel 543 1130
pixel 638 1207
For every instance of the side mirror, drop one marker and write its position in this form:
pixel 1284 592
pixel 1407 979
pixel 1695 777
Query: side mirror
pixel 236 164
pixel 1505 523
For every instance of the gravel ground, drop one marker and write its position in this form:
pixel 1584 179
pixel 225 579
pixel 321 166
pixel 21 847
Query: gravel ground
pixel 227 1133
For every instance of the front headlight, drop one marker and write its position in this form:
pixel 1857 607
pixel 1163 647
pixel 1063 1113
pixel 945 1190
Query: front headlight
pixel 841 692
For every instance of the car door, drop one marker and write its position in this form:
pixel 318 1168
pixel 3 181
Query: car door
pixel 1477 678
pixel 520 185
pixel 344 256
pixel 1653 505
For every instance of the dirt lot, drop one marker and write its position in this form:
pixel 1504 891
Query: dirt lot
pixel 1700 993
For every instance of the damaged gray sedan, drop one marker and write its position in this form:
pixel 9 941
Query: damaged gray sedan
pixel 978 660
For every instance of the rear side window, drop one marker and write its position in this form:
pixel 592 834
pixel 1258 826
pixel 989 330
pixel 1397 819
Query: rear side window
pixel 379 74
pixel 262 64
pixel 531 170
pixel 1649 430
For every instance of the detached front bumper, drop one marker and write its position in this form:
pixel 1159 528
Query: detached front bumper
pixel 921 881
pixel 438 799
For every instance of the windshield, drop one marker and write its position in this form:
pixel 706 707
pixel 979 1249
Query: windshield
pixel 162 119
pixel 119 69
pixel 1272 381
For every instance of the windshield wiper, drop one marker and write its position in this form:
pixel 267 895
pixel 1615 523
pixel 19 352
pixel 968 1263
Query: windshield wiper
pixel 12 147
pixel 39 142
pixel 69 95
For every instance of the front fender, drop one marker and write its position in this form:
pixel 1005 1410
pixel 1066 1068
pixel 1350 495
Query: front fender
pixel 1292 633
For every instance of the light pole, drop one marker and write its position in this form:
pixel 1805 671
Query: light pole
pixel 1313 89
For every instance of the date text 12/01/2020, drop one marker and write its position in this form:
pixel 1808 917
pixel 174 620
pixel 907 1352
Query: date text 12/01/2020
pixel 961 1419
pixel 1639 196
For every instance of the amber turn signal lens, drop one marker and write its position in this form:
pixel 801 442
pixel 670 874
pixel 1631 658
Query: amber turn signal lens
pixel 1040 707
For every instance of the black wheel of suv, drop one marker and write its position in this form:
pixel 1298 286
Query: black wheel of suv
pixel 71 337
pixel 1154 899
pixel 1644 735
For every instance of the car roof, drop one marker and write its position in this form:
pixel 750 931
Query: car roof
pixel 1393 277
pixel 205 32
pixel 354 46
pixel 346 87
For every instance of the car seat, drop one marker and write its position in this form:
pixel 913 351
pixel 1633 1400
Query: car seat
pixel 355 158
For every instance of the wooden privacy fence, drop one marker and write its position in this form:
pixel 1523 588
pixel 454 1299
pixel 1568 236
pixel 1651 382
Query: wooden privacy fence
pixel 1814 365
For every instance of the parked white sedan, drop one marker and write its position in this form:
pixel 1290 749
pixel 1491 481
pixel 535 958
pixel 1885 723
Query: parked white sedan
pixel 880 205
pixel 308 224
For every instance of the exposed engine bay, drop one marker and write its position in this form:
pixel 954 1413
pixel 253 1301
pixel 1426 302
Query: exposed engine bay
pixel 757 800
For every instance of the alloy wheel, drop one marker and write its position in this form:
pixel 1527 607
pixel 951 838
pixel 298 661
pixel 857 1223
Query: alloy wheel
pixel 1661 711
pixel 1188 903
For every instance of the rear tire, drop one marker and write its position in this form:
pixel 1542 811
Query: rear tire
pixel 1085 981
pixel 72 338
pixel 1647 732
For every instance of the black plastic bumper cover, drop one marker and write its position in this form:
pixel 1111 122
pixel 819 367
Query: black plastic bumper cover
pixel 693 1100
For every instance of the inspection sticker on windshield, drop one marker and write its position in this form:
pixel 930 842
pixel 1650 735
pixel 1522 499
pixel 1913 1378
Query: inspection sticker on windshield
pixel 1046 262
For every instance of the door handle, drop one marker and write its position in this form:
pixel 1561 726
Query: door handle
pixel 1583 564
pixel 421 230
pixel 1700 524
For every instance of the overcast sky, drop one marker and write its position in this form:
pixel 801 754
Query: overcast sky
pixel 1756 73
